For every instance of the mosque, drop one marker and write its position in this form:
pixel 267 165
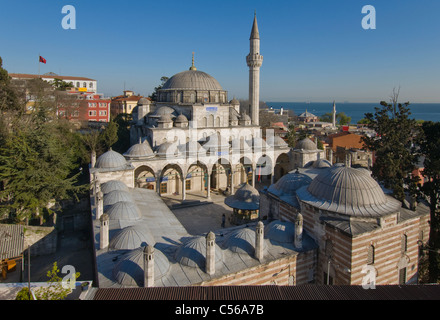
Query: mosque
pixel 315 223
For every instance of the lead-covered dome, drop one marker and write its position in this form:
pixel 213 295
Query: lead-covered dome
pixel 306 144
pixel 139 151
pixel 245 198
pixel 113 185
pixel 129 271
pixel 111 160
pixel 285 188
pixel 193 252
pixel 348 191
pixel 132 237
pixel 192 80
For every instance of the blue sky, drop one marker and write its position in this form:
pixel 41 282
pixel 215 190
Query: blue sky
pixel 313 50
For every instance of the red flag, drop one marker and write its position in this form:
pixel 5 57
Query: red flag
pixel 42 60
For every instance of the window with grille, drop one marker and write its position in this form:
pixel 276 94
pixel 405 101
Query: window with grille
pixel 370 256
pixel 328 248
pixel 163 187
pixel 188 184
pixel 404 243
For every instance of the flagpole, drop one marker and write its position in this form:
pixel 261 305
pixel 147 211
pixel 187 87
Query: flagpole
pixel 38 65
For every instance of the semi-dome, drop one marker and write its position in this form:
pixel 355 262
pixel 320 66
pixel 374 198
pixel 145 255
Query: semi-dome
pixel 124 210
pixel 241 240
pixel 277 141
pixel 192 80
pixel 321 163
pixel 216 141
pixel 164 110
pixel 306 144
pixel 348 191
pixel 191 147
pixel 132 237
pixel 139 151
pixel 193 252
pixel 116 196
pixel 111 160
pixel 245 198
pixel 113 185
pixel 280 231
pixel 168 149
pixel 285 188
pixel 129 272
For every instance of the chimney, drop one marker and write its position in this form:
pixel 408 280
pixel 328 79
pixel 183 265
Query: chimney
pixel 298 231
pixel 210 253
pixel 103 234
pixel 97 188
pixel 347 159
pixel 93 159
pixel 330 156
pixel 259 241
pixel 100 205
pixel 148 266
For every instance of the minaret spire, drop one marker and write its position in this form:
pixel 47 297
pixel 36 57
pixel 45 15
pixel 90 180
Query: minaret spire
pixel 334 115
pixel 254 61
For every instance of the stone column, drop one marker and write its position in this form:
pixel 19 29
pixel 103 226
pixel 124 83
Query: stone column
pixel 100 205
pixel 232 180
pixel 103 233
pixel 298 230
pixel 253 176
pixel 183 189
pixel 208 177
pixel 148 266
pixel 210 253
pixel 259 241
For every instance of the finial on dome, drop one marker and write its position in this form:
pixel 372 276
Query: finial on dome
pixel 192 66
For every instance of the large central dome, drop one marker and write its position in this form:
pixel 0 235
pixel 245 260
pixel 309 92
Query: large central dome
pixel 192 80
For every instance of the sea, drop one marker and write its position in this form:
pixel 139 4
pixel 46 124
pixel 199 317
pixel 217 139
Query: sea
pixel 419 111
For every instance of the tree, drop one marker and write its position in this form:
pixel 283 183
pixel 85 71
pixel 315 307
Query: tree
pixel 109 136
pixel 392 146
pixel 291 136
pixel 55 289
pixel 429 142
pixel 61 85
pixel 153 96
pixel 341 118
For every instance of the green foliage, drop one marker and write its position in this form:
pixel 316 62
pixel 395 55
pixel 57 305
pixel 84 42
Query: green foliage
pixel 429 142
pixel 61 85
pixel 109 136
pixel 153 96
pixel 24 294
pixel 55 289
pixel 291 136
pixel 394 158
pixel 341 118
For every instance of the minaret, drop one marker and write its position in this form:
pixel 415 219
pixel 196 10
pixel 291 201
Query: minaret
pixel 254 61
pixel 334 115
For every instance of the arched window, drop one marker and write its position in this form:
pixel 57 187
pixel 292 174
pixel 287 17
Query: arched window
pixel 370 255
pixel 90 84
pixel 205 98
pixel 77 84
pixel 217 122
pixel 84 85
pixel 192 98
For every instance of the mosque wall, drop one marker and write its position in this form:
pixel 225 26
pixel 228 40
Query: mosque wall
pixel 292 270
pixel 126 176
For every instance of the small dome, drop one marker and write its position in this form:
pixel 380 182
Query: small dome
pixel 259 143
pixel 129 271
pixel 245 117
pixel 241 241
pixel 245 198
pixel 116 196
pixel 193 253
pixel 132 237
pixel 181 119
pixel 280 231
pixel 143 101
pixel 139 151
pixel 166 118
pixel 285 188
pixel 306 144
pixel 164 110
pixel 113 185
pixel 234 101
pixel 124 210
pixel 348 191
pixel 111 160
pixel 321 163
